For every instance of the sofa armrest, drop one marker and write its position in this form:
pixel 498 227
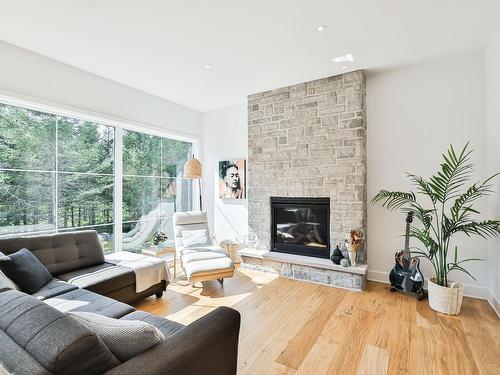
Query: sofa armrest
pixel 205 347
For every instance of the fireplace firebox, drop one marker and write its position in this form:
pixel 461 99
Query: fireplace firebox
pixel 301 226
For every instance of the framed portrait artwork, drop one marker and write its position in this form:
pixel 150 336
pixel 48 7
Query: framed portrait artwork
pixel 232 179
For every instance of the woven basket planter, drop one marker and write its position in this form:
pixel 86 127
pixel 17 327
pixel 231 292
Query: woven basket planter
pixel 446 300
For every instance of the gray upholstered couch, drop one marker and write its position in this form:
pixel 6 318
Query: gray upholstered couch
pixel 78 259
pixel 37 337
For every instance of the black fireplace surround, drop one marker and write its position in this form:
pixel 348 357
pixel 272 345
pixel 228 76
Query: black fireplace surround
pixel 301 226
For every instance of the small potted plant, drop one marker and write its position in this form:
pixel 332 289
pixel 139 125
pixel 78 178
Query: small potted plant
pixel 448 210
pixel 353 244
pixel 159 240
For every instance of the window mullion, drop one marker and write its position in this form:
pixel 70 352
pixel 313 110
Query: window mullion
pixel 56 178
pixel 118 188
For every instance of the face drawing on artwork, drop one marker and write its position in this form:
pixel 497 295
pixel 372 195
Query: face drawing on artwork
pixel 232 177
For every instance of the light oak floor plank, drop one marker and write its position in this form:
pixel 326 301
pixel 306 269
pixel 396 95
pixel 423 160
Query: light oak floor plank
pixel 297 349
pixel 375 361
pixel 290 327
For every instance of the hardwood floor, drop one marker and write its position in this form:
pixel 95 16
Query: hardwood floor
pixel 294 327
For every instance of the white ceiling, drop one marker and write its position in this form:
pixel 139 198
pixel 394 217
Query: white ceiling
pixel 162 46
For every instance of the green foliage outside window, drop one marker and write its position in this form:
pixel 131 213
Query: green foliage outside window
pixel 48 160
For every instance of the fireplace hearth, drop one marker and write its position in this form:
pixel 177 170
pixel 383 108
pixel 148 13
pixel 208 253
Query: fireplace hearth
pixel 301 226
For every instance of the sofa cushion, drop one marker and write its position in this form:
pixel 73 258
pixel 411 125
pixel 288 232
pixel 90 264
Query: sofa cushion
pixel 57 342
pixel 125 338
pixel 103 278
pixel 84 300
pixel 16 360
pixel 167 327
pixel 52 289
pixel 61 252
pixel 25 270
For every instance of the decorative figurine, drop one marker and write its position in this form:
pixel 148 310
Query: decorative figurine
pixel 337 255
pixel 344 262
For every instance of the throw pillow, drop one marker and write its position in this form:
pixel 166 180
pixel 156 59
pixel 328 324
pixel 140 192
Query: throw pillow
pixel 125 338
pixel 6 283
pixel 25 270
pixel 193 238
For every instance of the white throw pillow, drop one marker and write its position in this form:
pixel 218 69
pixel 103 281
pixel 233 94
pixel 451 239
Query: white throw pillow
pixel 194 238
pixel 124 338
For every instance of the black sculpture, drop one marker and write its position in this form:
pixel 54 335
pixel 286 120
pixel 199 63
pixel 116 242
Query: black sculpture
pixel 337 255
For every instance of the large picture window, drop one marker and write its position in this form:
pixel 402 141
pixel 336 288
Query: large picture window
pixel 58 174
pixel 153 187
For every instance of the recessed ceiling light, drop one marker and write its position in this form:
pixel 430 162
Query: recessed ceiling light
pixel 343 67
pixel 344 59
pixel 322 28
pixel 208 66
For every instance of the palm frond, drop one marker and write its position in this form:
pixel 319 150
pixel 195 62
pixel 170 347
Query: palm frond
pixel 419 252
pixel 452 267
pixel 447 226
pixel 474 192
pixel 470 260
pixel 393 199
pixel 422 214
pixel 455 171
pixel 426 239
pixel 485 229
pixel 423 187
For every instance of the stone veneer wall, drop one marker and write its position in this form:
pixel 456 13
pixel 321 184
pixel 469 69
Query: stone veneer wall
pixel 309 140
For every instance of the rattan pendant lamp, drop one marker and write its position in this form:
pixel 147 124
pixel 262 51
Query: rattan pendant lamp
pixel 192 170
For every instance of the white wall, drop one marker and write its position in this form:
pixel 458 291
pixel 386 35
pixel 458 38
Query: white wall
pixel 27 75
pixel 413 114
pixel 224 138
pixel 492 89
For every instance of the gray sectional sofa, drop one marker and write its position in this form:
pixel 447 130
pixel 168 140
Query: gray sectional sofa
pixel 38 337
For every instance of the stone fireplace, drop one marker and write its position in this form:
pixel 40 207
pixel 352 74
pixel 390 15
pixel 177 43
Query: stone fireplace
pixel 308 141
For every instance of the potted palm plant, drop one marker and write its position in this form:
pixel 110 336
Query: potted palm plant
pixel 447 208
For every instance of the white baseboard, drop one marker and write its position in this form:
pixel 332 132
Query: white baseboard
pixel 381 277
pixel 469 290
pixel 495 304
